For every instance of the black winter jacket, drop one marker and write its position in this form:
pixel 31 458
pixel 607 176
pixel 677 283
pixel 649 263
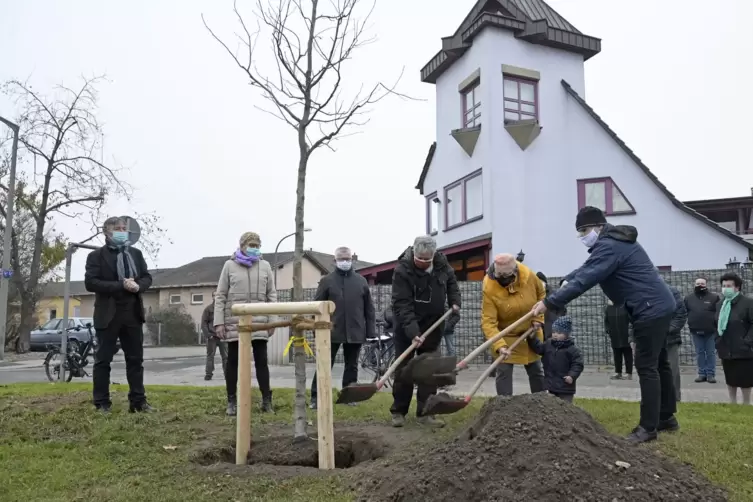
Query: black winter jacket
pixel 419 298
pixel 559 363
pixel 354 319
pixel 702 312
pixel 617 326
pixel 737 340
pixel 674 336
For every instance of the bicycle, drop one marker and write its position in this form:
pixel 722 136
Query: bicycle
pixel 76 359
pixel 378 355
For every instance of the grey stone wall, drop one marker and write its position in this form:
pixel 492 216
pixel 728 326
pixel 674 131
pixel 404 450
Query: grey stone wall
pixel 586 312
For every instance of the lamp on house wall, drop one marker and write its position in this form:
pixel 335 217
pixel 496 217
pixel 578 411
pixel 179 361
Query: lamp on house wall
pixel 521 256
pixel 733 264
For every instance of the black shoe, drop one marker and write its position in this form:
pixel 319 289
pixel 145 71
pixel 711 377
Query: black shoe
pixel 232 407
pixel 701 378
pixel 669 425
pixel 141 408
pixel 266 404
pixel 207 377
pixel 711 379
pixel 105 409
pixel 641 435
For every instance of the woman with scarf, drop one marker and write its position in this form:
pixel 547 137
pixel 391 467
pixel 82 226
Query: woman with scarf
pixel 734 339
pixel 509 291
pixel 245 278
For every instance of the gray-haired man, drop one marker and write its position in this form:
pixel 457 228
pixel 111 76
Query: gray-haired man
pixel 354 319
pixel 118 275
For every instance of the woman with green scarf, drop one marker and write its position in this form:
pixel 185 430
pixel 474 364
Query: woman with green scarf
pixel 734 342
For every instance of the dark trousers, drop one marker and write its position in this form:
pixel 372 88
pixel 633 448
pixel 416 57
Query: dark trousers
pixel 350 374
pixel 131 334
pixel 625 353
pixel 261 364
pixel 402 390
pixel 654 372
pixel 213 343
pixel 564 397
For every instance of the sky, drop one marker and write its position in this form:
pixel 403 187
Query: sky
pixel 671 80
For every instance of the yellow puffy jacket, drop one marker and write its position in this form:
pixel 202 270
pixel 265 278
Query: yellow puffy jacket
pixel 502 306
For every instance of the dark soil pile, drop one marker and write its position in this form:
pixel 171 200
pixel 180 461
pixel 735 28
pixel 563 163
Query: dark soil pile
pixel 533 447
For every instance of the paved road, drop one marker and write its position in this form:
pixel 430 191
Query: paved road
pixel 185 366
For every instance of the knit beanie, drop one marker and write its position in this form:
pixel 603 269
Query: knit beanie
pixel 563 325
pixel 589 216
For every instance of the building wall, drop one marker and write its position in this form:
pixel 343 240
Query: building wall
pixel 530 197
pixel 45 305
pixel 311 275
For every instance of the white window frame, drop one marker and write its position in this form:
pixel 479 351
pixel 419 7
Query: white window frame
pixel 197 302
pixel 178 296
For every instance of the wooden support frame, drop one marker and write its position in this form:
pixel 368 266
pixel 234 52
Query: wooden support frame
pixel 325 424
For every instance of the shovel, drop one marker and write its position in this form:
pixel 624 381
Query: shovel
pixel 357 392
pixel 438 372
pixel 445 404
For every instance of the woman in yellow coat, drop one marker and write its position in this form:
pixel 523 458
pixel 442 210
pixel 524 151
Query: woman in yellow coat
pixel 510 291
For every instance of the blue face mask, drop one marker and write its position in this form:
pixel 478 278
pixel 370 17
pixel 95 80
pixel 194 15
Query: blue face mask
pixel 119 237
pixel 253 251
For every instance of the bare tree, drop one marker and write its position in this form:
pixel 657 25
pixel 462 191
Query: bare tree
pixel 310 42
pixel 59 139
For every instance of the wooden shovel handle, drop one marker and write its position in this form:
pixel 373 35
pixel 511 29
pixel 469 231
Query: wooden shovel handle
pixel 410 349
pixel 478 350
pixel 497 362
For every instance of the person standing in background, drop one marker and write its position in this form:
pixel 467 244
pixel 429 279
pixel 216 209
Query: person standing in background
pixel 701 305
pixel 734 340
pixel 118 276
pixel 617 326
pixel 549 316
pixel 674 338
pixel 245 278
pixel 354 319
pixel 449 333
pixel 213 343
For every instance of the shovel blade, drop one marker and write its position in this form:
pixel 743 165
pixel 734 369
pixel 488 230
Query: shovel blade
pixel 443 404
pixel 357 392
pixel 424 370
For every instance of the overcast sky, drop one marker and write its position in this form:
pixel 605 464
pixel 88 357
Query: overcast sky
pixel 671 80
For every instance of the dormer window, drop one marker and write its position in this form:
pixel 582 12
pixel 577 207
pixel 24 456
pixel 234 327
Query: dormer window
pixel 471 96
pixel 521 99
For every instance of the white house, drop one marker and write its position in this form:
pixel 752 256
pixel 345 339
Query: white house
pixel 519 150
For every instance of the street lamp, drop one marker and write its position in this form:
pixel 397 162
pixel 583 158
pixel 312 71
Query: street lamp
pixel 7 238
pixel 521 256
pixel 278 247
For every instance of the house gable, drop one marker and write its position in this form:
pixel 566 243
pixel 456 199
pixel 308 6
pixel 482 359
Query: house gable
pixel 654 180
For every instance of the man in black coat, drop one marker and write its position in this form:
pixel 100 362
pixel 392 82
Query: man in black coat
pixel 674 338
pixel 701 305
pixel 423 285
pixel 213 343
pixel 118 275
pixel 617 327
pixel 354 319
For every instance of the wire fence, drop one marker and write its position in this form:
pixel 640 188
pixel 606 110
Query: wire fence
pixel 587 313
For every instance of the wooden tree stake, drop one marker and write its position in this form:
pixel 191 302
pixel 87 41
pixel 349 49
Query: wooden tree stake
pixel 243 418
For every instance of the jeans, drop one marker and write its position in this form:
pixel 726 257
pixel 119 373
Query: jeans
pixel 654 372
pixel 130 331
pixel 503 380
pixel 350 355
pixel 625 353
pixel 212 345
pixel 705 351
pixel 449 343
pixel 402 390
pixel 259 348
pixel 673 354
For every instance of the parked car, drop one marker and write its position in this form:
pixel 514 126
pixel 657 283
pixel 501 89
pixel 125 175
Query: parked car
pixel 48 335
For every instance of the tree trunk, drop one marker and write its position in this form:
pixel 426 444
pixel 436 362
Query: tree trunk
pixel 25 326
pixel 299 353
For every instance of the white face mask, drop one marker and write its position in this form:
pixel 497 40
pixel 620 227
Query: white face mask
pixel 590 239
pixel 344 265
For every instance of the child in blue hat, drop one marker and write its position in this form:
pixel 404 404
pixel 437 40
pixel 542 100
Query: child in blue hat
pixel 562 359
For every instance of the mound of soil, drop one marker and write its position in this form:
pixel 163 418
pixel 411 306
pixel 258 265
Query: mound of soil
pixel 533 447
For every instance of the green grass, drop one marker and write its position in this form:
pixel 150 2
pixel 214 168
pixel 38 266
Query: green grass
pixel 55 447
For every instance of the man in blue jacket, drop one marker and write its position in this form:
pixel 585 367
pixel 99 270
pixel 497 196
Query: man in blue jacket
pixel 627 276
